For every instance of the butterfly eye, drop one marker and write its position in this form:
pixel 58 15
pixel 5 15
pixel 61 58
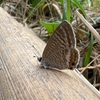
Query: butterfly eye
pixel 46 64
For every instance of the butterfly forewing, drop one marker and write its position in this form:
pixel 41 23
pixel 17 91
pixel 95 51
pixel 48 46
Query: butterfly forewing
pixel 57 53
pixel 63 37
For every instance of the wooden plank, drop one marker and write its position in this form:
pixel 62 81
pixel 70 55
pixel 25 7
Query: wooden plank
pixel 20 75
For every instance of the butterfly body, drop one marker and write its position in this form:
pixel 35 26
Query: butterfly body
pixel 61 51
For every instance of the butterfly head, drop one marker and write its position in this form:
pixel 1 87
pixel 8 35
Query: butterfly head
pixel 43 63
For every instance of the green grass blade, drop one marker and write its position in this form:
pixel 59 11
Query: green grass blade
pixel 35 2
pixel 68 14
pixel 50 26
pixel 79 6
pixel 88 54
pixel 66 10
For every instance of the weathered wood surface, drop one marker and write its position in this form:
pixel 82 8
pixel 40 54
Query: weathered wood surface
pixel 20 75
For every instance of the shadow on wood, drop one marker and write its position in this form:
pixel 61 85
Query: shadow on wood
pixel 20 75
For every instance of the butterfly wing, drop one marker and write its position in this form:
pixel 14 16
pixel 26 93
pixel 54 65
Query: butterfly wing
pixel 63 37
pixel 59 45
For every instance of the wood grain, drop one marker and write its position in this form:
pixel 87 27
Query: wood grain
pixel 21 78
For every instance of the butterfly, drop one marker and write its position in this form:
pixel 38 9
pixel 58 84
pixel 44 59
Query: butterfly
pixel 60 51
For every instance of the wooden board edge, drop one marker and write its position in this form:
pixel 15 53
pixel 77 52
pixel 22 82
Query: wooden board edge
pixel 87 82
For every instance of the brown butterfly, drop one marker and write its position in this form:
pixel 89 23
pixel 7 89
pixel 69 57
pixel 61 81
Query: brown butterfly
pixel 60 51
